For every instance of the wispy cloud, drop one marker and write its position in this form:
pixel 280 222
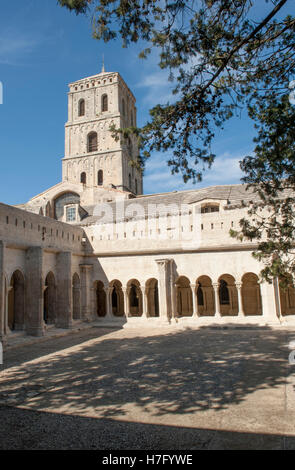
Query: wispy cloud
pixel 14 46
pixel 158 178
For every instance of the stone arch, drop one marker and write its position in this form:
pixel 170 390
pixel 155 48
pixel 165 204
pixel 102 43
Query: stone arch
pixel 81 107
pixel 49 299
pixel 184 297
pixel 100 178
pixel 205 296
pixel 152 296
pixel 16 301
pixel 92 143
pixel 135 298
pixel 83 178
pixel 101 298
pixel 63 199
pixel 104 102
pixel 287 299
pixel 76 296
pixel 251 295
pixel 228 295
pixel 117 298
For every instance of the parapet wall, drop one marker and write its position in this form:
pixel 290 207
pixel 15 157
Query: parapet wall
pixel 19 228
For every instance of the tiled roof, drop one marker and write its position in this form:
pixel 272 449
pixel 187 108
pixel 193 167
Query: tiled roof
pixel 232 195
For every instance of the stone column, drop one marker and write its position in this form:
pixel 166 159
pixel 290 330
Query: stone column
pixel 145 293
pixel 108 291
pixel 216 297
pixel 86 275
pixel 195 303
pixel 270 303
pixel 240 300
pixel 126 301
pixel 64 317
pixel 173 291
pixel 2 291
pixel 34 292
pixel 164 288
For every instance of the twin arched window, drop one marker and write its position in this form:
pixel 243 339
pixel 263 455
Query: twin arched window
pixel 81 108
pixel 92 142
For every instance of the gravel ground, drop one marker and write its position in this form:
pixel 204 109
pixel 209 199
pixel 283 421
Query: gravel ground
pixel 153 389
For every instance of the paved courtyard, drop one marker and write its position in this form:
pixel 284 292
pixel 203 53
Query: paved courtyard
pixel 206 388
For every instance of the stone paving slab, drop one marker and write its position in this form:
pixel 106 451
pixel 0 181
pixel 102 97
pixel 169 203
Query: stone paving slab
pixel 163 389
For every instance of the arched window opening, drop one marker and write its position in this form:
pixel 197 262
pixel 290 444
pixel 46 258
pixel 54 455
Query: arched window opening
pixel 81 106
pixel 100 178
pixel 223 293
pixel 104 103
pixel 200 295
pixel 76 296
pixel 133 296
pixel 152 296
pixel 117 298
pixel 184 297
pixel 83 178
pixel 64 200
pixel 92 142
pixel 49 301
pixel 16 306
pixel 100 300
pixel 251 295
pixel 205 296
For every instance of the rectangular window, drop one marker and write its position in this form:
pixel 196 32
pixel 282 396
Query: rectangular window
pixel 71 214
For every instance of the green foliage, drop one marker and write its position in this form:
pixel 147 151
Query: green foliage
pixel 271 172
pixel 221 57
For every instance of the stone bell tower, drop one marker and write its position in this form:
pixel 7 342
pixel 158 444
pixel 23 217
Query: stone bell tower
pixel 92 156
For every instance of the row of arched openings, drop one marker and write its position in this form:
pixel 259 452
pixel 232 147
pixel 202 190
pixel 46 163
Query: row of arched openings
pixel 204 291
pixel 134 298
pixel 16 300
pixel 227 296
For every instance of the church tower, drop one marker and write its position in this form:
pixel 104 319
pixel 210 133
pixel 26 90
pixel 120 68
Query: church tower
pixel 92 156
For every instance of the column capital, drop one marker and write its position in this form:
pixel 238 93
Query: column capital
pixel 86 266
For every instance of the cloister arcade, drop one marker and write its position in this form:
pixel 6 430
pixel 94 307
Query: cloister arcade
pixel 202 297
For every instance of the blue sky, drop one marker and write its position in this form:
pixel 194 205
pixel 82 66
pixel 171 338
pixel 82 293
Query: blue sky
pixel 43 47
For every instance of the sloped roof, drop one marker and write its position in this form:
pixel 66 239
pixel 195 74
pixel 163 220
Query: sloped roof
pixel 232 195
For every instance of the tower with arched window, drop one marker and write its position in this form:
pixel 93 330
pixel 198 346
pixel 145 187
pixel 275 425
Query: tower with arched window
pixel 95 104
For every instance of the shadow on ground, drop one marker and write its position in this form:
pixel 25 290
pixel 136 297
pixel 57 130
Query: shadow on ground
pixel 32 430
pixel 180 372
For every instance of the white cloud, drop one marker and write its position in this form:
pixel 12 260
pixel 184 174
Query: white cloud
pixel 14 46
pixel 158 178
